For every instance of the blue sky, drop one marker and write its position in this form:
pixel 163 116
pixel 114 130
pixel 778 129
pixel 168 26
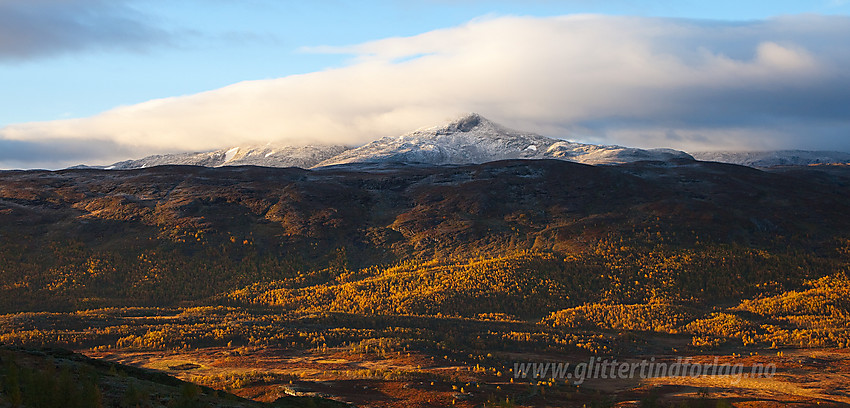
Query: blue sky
pixel 63 59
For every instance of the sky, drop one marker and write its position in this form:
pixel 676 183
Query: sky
pixel 97 81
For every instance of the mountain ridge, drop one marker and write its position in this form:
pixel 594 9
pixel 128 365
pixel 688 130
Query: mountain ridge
pixel 268 155
pixel 470 139
pixel 773 158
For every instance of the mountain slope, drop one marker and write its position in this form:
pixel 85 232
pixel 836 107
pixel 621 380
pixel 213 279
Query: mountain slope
pixel 266 156
pixel 474 139
pixel 775 158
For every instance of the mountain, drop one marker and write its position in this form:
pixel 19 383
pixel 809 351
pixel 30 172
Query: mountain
pixel 266 156
pixel 775 158
pixel 474 139
pixel 471 139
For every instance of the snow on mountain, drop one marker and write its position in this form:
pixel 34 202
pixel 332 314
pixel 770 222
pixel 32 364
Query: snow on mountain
pixel 775 158
pixel 470 139
pixel 268 156
pixel 474 139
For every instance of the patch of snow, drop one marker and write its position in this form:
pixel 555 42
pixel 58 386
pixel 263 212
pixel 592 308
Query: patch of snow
pixel 276 156
pixel 230 154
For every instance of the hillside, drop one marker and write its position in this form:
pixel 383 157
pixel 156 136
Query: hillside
pixel 56 378
pixel 391 285
pixel 97 238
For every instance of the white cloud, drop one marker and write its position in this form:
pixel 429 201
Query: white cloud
pixel 639 81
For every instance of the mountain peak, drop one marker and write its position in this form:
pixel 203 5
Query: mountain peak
pixel 474 139
pixel 467 122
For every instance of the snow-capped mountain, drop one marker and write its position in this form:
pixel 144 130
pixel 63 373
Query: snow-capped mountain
pixel 775 158
pixel 267 156
pixel 474 139
pixel 471 139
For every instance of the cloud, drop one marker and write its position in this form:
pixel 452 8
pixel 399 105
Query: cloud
pixel 647 82
pixel 38 28
pixel 52 153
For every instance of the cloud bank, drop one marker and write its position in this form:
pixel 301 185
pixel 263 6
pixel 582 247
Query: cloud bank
pixel 38 28
pixel 644 82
